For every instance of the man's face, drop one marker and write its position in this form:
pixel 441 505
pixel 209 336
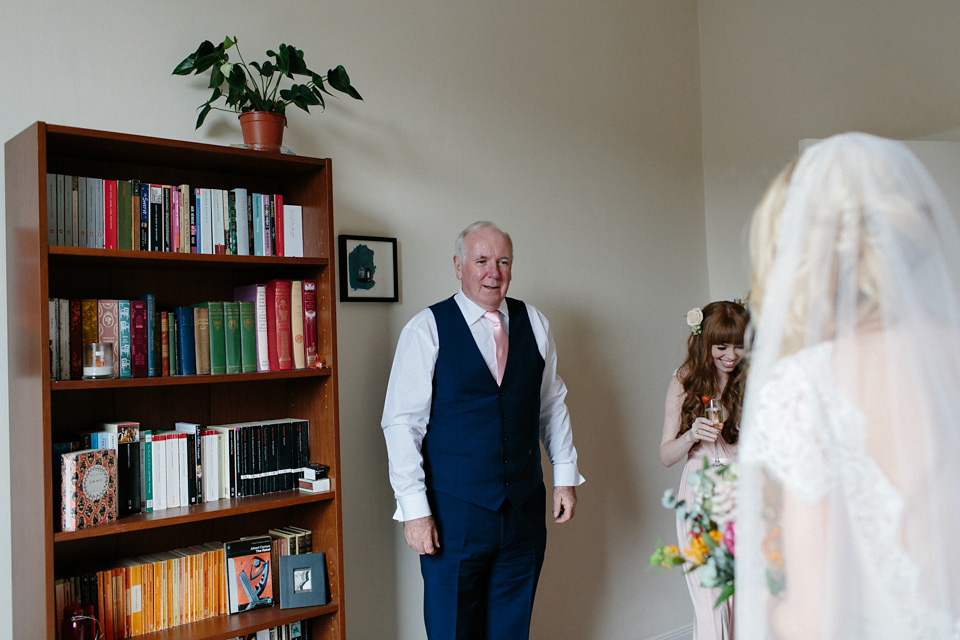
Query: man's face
pixel 485 271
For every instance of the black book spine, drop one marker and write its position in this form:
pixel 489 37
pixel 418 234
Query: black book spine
pixel 128 478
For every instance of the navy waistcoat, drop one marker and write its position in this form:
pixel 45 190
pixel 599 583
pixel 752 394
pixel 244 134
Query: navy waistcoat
pixel 482 444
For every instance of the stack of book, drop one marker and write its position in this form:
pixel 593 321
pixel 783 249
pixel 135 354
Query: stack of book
pixel 152 470
pixel 266 327
pixel 149 593
pixel 97 213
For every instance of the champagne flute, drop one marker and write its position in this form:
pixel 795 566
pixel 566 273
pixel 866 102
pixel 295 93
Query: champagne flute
pixel 714 413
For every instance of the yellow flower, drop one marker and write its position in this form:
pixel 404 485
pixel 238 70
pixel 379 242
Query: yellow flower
pixel 716 535
pixel 696 552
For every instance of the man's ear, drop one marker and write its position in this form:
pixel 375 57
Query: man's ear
pixel 456 267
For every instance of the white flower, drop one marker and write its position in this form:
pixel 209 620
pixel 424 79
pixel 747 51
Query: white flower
pixel 694 318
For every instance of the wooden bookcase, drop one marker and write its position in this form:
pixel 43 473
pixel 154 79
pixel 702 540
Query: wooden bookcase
pixel 40 408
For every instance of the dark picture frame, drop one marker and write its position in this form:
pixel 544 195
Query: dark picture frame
pixel 303 580
pixel 368 269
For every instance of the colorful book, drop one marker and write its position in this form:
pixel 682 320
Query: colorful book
pixel 279 341
pixel 296 324
pixel 249 574
pixel 88 321
pixel 248 337
pixel 257 294
pixel 124 339
pixel 276 209
pixel 139 342
pixel 258 226
pixel 146 470
pixel 164 344
pixel 107 327
pixel 125 214
pixel 144 232
pixel 156 218
pixel 232 345
pixel 109 214
pixel 186 337
pixel 88 488
pixel 201 337
pixel 135 214
pixel 76 339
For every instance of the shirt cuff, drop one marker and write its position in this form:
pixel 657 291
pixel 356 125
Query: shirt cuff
pixel 566 474
pixel 412 507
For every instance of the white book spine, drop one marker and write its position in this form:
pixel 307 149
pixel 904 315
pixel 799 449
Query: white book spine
pixel 211 467
pixel 173 472
pixel 184 469
pixel 263 358
pixel 293 230
pixel 159 472
pixel 243 231
pixel 205 222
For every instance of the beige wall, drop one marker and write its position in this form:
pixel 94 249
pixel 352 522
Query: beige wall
pixel 778 71
pixel 576 126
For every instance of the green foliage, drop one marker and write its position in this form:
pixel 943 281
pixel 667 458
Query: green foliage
pixel 244 90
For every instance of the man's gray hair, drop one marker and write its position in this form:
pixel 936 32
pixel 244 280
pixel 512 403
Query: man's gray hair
pixel 458 248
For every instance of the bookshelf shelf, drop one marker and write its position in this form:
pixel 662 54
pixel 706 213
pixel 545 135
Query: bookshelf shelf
pixel 182 515
pixel 172 381
pixel 43 411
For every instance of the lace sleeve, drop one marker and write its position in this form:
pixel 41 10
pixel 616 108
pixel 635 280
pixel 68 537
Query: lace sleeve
pixel 790 438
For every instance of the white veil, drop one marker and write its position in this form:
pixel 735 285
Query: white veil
pixel 848 521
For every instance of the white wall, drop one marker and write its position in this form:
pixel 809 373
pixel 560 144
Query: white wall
pixel 576 126
pixel 779 71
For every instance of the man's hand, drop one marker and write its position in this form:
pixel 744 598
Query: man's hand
pixel 422 536
pixel 564 503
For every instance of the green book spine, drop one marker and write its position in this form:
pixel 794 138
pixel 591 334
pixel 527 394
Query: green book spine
pixel 125 215
pixel 124 339
pixel 231 327
pixel 248 337
pixel 146 439
pixel 218 356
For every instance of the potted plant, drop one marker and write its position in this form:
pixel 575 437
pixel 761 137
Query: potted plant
pixel 257 97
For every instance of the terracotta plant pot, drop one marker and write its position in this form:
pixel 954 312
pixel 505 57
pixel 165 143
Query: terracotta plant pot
pixel 262 130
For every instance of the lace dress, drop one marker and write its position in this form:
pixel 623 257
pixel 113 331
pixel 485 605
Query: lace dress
pixel 815 447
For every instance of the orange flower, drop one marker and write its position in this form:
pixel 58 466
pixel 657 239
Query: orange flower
pixel 697 550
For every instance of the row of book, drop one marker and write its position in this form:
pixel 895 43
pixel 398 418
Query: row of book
pixel 121 469
pixel 149 593
pixel 267 327
pixel 99 213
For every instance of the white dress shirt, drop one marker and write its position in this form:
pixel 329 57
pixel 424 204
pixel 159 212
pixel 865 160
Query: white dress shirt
pixel 406 410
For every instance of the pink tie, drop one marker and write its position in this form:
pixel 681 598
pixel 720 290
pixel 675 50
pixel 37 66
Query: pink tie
pixel 500 338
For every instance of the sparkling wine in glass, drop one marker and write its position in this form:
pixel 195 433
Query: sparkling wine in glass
pixel 715 415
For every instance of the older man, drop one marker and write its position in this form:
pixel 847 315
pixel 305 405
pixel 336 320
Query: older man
pixel 473 391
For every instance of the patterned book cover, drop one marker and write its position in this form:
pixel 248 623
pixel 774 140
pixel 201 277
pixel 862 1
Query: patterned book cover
pixel 249 581
pixel 108 319
pixel 138 339
pixel 76 339
pixel 88 321
pixel 89 488
pixel 124 339
pixel 310 323
pixel 164 345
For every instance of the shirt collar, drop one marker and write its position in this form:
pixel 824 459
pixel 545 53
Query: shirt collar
pixel 472 311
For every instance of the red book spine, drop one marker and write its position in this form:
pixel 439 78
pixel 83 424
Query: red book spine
pixel 278 223
pixel 138 338
pixel 109 214
pixel 107 319
pixel 76 340
pixel 310 340
pixel 279 338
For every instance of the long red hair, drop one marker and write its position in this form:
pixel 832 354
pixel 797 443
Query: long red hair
pixel 723 323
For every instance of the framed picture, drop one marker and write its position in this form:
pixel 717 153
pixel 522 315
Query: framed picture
pixel 368 269
pixel 303 580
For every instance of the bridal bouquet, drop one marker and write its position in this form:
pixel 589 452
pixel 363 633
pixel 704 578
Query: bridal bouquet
pixel 710 517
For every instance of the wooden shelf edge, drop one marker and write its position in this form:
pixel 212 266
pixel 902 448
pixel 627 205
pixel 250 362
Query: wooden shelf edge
pixel 240 624
pixel 182 515
pixel 166 381
pixel 114 255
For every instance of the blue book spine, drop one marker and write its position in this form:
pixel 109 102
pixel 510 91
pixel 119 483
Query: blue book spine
pixel 257 225
pixel 188 357
pixel 124 339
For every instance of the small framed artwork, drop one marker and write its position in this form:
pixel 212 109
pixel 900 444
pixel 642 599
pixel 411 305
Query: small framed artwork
pixel 303 580
pixel 368 269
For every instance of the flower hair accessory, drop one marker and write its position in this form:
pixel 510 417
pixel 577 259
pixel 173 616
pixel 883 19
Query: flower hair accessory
pixel 694 318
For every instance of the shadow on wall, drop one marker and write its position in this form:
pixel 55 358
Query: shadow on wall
pixel 578 560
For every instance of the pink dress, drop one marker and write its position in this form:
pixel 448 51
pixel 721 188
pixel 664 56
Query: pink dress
pixel 709 623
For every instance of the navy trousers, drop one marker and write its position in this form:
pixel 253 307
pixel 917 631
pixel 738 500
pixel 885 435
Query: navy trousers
pixel 481 583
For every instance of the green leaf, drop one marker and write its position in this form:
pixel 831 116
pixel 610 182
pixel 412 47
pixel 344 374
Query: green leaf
pixel 203 115
pixel 340 81
pixel 297 65
pixel 237 80
pixel 216 77
pixel 229 42
pixel 268 69
pixel 727 591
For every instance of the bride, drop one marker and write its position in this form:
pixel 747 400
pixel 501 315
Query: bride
pixel 849 515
